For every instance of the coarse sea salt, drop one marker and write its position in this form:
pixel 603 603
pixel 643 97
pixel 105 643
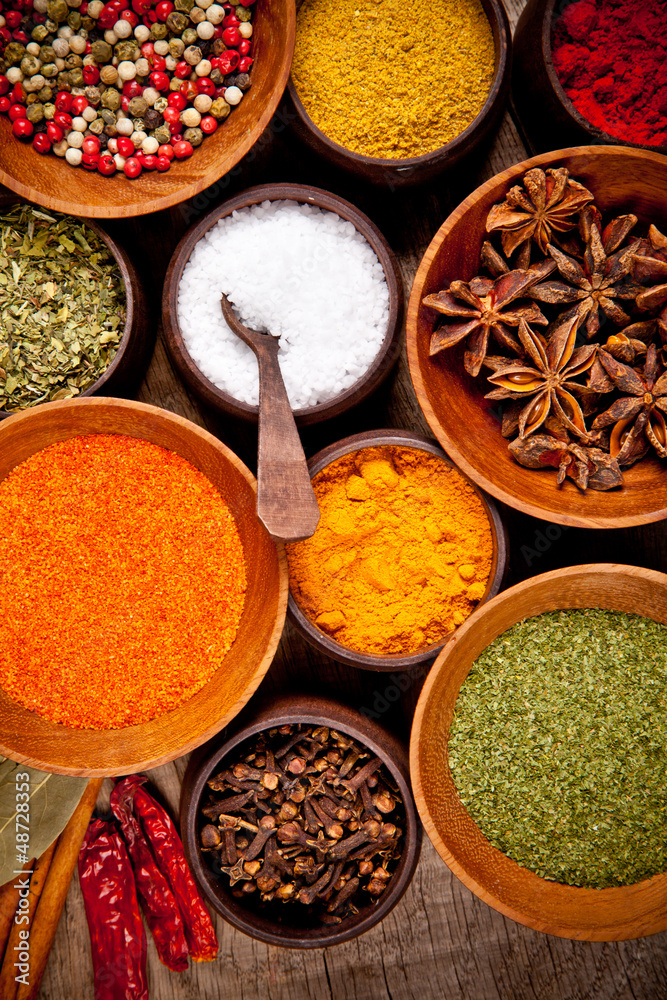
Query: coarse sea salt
pixel 304 274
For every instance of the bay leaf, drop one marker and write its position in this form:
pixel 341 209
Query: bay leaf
pixel 52 798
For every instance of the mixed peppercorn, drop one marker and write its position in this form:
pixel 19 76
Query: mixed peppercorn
pixel 128 85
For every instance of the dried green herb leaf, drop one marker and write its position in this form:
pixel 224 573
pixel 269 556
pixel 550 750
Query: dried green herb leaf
pixel 51 799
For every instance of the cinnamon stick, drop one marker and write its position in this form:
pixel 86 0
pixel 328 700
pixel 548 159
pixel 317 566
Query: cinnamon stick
pixel 45 923
pixel 16 942
pixel 9 900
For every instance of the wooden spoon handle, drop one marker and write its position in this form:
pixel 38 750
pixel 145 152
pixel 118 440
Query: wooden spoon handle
pixel 286 501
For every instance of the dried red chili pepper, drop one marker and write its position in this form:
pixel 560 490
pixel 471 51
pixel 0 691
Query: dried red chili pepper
pixel 117 934
pixel 157 900
pixel 168 851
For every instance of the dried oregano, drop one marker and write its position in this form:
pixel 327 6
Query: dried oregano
pixel 62 307
pixel 558 746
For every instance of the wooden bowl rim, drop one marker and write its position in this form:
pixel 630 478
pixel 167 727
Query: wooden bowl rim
pixel 311 710
pixel 130 281
pixel 146 763
pixel 498 20
pixel 506 178
pixel 593 130
pixel 136 205
pixel 499 559
pixel 487 892
pixel 388 351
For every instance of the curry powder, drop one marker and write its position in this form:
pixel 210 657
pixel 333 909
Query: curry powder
pixel 391 80
pixel 402 553
pixel 122 582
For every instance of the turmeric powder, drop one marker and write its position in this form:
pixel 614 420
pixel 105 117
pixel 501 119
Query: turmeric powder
pixel 402 553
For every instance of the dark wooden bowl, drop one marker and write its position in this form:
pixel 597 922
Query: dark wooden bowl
pixel 499 560
pixel 585 914
pixel 124 374
pixel 49 181
pixel 417 169
pixel 311 710
pixel 546 112
pixel 31 739
pixel 390 348
pixel 622 179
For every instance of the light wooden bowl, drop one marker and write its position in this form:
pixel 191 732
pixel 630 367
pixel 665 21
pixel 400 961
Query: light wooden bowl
pixel 462 420
pixel 124 374
pixel 417 169
pixel 30 739
pixel 49 181
pixel 587 914
pixel 310 710
pixel 545 110
pixel 222 402
pixel 499 559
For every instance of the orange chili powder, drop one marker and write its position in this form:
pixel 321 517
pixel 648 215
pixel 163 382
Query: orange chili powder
pixel 122 581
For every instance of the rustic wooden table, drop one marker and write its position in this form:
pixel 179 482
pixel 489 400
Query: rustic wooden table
pixel 440 941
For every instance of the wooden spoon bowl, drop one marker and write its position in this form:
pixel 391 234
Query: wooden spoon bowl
pixel 31 739
pixel 219 400
pixel 499 560
pixel 209 760
pixel 417 169
pixel 49 181
pixel 133 355
pixel 585 914
pixel 622 180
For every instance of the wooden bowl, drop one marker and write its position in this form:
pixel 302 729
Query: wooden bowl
pixel 51 182
pixel 417 169
pixel 546 112
pixel 453 402
pixel 312 710
pixel 135 349
pixel 586 914
pixel 499 560
pixel 387 356
pixel 33 740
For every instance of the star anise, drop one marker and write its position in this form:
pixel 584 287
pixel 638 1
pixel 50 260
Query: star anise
pixel 588 467
pixel 480 306
pixel 601 279
pixel 637 417
pixel 649 264
pixel 496 264
pixel 547 204
pixel 549 384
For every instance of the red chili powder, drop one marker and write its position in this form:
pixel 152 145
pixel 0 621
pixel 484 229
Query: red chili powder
pixel 122 581
pixel 611 59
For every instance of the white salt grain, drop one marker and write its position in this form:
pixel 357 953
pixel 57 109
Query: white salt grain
pixel 303 274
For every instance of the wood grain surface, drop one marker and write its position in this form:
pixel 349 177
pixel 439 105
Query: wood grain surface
pixel 440 942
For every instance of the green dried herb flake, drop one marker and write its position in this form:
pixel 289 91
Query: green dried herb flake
pixel 558 746
pixel 62 308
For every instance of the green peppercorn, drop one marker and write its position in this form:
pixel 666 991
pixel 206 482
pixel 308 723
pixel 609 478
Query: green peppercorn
pixel 138 107
pixel 88 24
pixel 219 109
pixel 57 10
pixel 97 126
pixel 197 15
pixel 93 95
pixel 38 34
pixel 35 112
pixel 45 94
pixel 63 81
pixel 76 78
pixel 101 51
pixel 159 31
pixel 190 36
pixel 74 20
pixel 111 99
pixel 194 136
pixel 51 26
pixel 73 61
pixel 30 66
pixel 160 104
pixel 108 116
pixel 176 47
pixel 176 22
pixel 243 13
pixel 14 53
pixel 49 111
pixel 185 6
pixel 31 99
pixel 162 134
pixel 127 51
pixel 175 83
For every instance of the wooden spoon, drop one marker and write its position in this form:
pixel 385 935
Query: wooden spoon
pixel 286 501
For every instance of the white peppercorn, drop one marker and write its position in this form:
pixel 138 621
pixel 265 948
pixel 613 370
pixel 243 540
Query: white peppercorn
pixel 60 148
pixel 127 70
pixel 203 68
pixel 73 156
pixel 141 33
pixel 190 117
pixel 233 95
pixel 215 13
pixel 77 44
pixel 75 138
pixel 122 28
pixel 205 30
pixel 150 145
pixel 245 29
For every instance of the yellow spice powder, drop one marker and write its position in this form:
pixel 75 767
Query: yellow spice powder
pixel 389 79
pixel 402 553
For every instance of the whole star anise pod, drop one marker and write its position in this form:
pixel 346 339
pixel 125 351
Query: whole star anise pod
pixel 638 417
pixel 649 264
pixel 480 306
pixel 548 203
pixel 588 467
pixel 548 384
pixel 601 279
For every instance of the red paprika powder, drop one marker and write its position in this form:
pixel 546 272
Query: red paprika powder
pixel 611 59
